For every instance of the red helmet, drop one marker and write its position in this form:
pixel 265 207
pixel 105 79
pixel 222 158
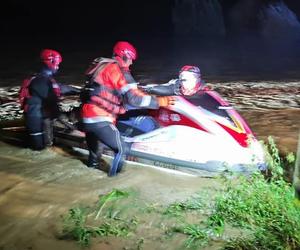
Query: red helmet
pixel 190 78
pixel 51 58
pixel 192 69
pixel 125 49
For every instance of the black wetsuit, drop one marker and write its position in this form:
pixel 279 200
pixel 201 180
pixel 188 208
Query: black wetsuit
pixel 42 108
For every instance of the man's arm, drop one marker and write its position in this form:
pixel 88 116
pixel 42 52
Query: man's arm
pixel 132 95
pixel 168 89
pixel 68 90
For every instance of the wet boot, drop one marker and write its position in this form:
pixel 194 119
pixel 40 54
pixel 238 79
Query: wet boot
pixel 37 141
pixel 48 132
pixel 93 160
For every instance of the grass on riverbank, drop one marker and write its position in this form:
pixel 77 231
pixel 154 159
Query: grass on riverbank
pixel 257 212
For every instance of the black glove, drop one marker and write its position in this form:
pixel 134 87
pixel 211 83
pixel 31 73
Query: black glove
pixel 160 90
pixel 69 90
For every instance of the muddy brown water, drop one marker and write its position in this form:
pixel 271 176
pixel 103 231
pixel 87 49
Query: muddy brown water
pixel 270 109
pixel 37 187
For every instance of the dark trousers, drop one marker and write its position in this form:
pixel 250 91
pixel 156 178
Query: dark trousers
pixel 34 126
pixel 40 131
pixel 108 134
pixel 48 131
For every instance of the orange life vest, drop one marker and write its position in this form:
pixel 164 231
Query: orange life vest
pixel 102 96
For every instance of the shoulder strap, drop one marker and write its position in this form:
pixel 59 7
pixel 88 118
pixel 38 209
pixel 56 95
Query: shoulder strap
pixel 24 90
pixel 97 65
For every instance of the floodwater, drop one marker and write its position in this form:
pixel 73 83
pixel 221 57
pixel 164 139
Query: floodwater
pixel 37 187
pixel 270 108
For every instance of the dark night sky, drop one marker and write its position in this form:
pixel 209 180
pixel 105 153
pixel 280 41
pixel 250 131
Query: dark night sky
pixel 85 17
pixel 94 19
pixel 92 27
pixel 83 29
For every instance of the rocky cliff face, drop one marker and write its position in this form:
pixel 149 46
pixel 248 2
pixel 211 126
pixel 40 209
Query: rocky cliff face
pixel 260 18
pixel 198 17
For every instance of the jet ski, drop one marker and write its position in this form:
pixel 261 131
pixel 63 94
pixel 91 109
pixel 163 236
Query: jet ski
pixel 201 134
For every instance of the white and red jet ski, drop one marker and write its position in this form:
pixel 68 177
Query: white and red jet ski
pixel 199 134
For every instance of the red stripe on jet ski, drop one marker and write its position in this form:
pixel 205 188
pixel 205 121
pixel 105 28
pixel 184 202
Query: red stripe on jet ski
pixel 241 138
pixel 167 117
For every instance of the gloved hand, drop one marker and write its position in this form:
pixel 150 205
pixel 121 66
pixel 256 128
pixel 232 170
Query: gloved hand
pixel 68 89
pixel 164 101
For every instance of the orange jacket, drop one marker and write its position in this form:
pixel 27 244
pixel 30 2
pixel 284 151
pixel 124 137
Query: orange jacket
pixel 109 92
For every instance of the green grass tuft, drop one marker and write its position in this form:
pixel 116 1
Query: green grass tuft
pixel 265 206
pixel 78 225
pixel 178 208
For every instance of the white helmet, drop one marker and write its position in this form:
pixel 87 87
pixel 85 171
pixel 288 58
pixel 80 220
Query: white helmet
pixel 190 77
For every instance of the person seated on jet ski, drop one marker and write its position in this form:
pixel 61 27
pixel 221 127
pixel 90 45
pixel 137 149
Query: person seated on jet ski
pixel 188 83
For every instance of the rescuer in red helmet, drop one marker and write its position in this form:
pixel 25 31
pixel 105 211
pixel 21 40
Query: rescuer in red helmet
pixel 188 83
pixel 110 86
pixel 39 99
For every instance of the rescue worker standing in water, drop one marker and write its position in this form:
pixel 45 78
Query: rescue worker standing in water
pixel 39 99
pixel 109 88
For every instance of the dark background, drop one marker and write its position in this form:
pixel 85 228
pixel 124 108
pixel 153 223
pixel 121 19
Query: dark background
pixel 117 17
pixel 84 30
pixel 36 18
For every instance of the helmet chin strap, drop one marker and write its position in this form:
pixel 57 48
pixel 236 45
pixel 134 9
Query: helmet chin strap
pixel 122 63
